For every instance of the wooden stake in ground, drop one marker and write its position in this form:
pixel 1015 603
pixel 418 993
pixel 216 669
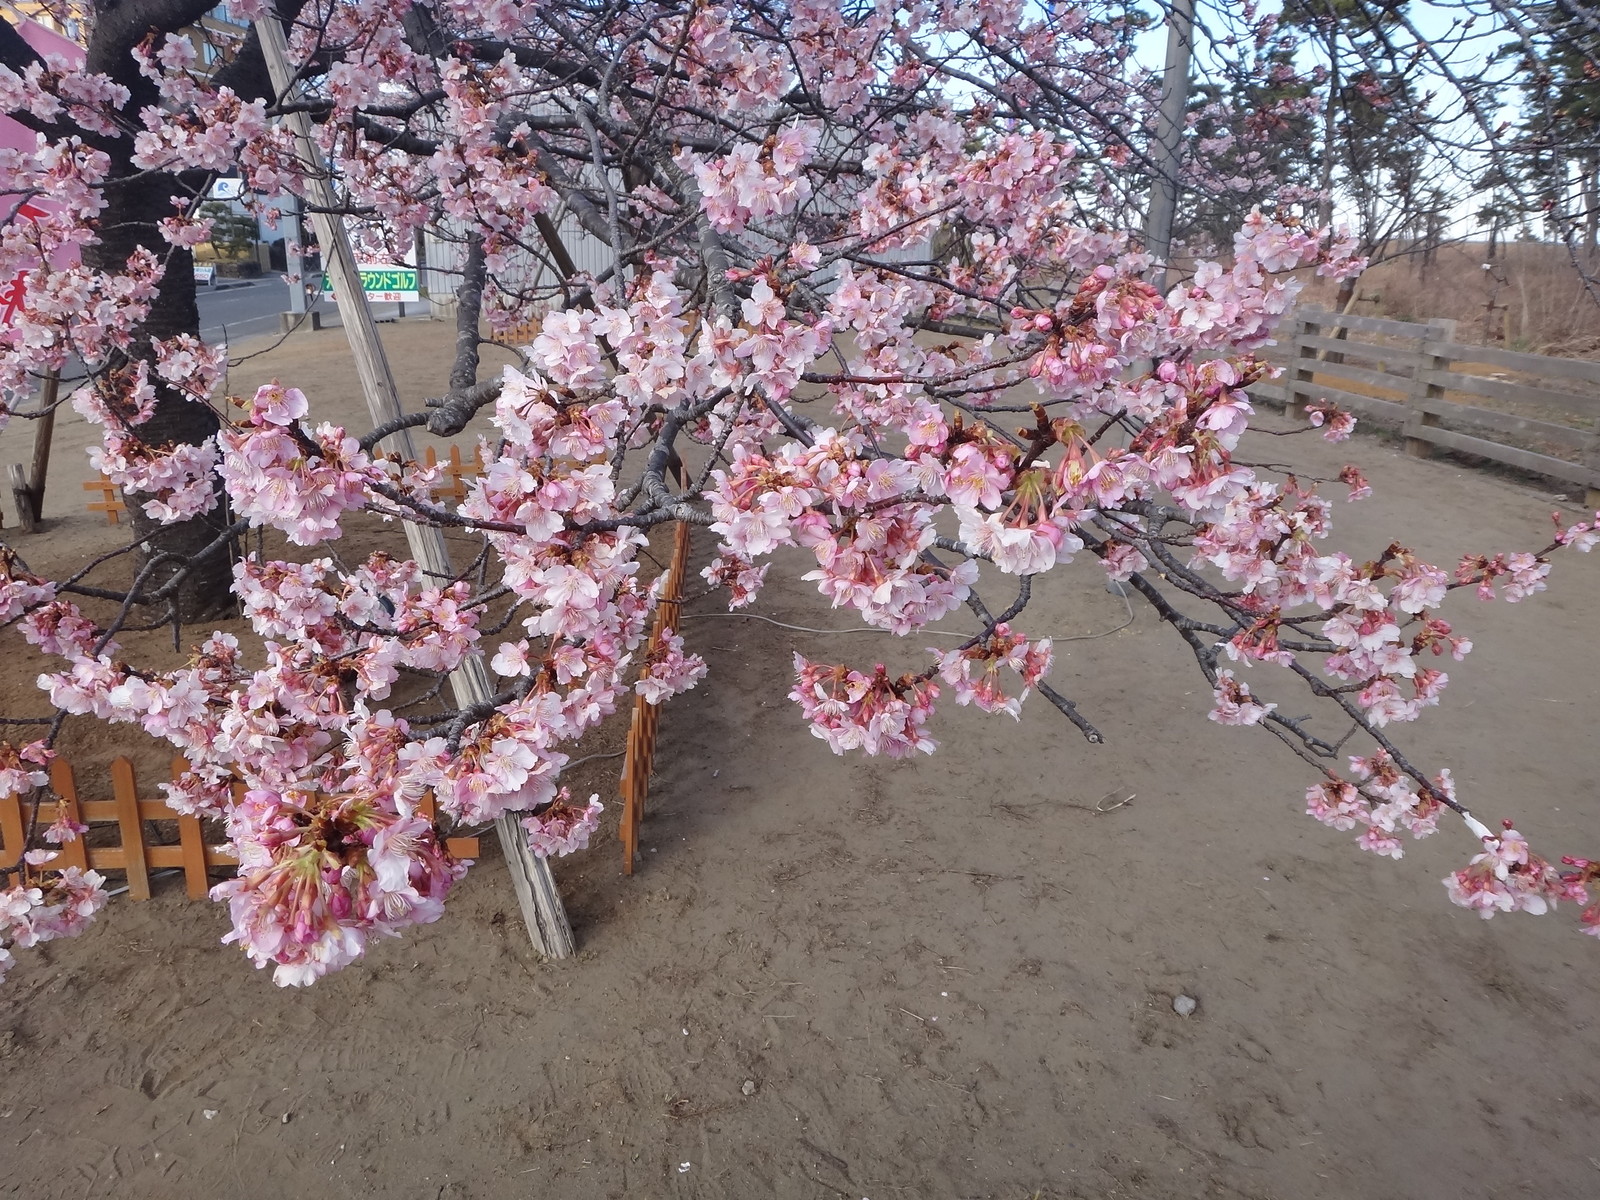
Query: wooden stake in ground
pixel 535 886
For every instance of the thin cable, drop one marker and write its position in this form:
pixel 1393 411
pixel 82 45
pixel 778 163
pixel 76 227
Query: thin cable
pixel 578 762
pixel 162 874
pixel 1075 637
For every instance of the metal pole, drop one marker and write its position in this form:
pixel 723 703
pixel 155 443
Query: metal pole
pixel 546 919
pixel 1169 137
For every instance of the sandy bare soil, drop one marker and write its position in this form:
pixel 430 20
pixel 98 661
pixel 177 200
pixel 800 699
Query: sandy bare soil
pixel 854 978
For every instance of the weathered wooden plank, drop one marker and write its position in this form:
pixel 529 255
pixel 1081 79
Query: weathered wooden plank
pixel 1513 392
pixel 97 812
pixel 1423 389
pixel 22 498
pixel 1582 369
pixel 1370 406
pixel 65 786
pixel 1527 460
pixel 1382 325
pixel 1385 354
pixel 126 790
pixel 13 830
pixel 156 810
pixel 1383 379
pixel 192 840
pixel 1464 414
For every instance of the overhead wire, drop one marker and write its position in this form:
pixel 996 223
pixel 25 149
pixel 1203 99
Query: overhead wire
pixel 1073 637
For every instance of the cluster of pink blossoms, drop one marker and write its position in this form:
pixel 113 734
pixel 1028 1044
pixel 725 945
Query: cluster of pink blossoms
pixel 23 769
pixel 61 906
pixel 563 827
pixel 871 713
pixel 1509 877
pixel 319 875
pixel 289 478
pixel 332 848
pixel 1235 705
pixel 1382 801
pixel 973 672
pixel 179 478
pixel 755 182
pixel 668 671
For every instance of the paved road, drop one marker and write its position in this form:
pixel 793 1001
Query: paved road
pixel 232 313
pixel 228 314
pixel 236 312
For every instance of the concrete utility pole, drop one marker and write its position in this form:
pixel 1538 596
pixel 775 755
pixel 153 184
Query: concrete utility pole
pixel 1169 135
pixel 294 261
pixel 530 875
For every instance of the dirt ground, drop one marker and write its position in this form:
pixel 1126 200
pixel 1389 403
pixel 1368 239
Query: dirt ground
pixel 865 979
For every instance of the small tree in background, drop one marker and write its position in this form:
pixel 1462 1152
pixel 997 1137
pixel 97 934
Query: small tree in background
pixel 233 234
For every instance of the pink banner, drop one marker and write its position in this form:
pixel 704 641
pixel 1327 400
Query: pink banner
pixel 16 136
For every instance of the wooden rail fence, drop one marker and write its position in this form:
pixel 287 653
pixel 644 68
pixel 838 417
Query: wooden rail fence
pixel 133 852
pixel 1415 383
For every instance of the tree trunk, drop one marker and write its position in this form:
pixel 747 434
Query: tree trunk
pixel 136 202
pixel 1329 129
pixel 133 207
pixel 1590 165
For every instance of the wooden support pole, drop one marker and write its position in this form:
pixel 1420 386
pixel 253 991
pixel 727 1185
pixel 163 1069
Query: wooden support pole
pixel 530 875
pixel 27 518
pixel 43 431
pixel 28 491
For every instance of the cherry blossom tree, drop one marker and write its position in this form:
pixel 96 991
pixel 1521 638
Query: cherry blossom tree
pixel 872 294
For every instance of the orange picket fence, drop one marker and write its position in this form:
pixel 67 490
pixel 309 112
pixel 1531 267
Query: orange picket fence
pixel 110 501
pixel 129 849
pixel 641 753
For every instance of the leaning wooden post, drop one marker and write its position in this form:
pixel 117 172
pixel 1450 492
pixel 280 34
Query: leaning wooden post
pixel 28 491
pixel 530 875
pixel 1434 357
pixel 41 440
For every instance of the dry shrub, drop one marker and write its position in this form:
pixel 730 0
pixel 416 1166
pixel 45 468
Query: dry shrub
pixel 1530 298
